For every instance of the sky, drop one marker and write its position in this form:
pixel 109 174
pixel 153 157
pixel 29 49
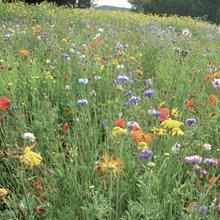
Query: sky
pixel 118 3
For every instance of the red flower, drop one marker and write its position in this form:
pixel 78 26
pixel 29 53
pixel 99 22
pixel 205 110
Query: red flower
pixel 164 114
pixel 65 127
pixel 120 122
pixel 68 110
pixel 190 104
pixel 4 103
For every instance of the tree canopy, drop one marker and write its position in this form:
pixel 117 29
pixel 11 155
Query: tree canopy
pixel 195 8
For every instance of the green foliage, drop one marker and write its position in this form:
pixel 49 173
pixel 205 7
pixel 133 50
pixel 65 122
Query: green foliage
pixel 195 8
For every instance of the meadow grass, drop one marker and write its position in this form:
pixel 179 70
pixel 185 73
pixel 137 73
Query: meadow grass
pixel 88 169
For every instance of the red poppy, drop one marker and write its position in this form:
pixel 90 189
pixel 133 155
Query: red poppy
pixel 120 122
pixel 4 103
pixel 164 114
pixel 65 127
pixel 189 104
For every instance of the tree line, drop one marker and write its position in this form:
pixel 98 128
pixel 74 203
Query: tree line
pixel 74 3
pixel 208 9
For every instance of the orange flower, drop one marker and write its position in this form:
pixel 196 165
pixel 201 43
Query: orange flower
pixel 148 138
pixel 138 135
pixel 189 104
pixel 120 122
pixel 109 164
pixel 213 180
pixel 213 99
pixel 24 52
pixel 202 104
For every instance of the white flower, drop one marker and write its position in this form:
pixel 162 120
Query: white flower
pixel 29 136
pixel 67 87
pixel 176 148
pixel 83 81
pixel 186 33
pixel 101 30
pixel 207 147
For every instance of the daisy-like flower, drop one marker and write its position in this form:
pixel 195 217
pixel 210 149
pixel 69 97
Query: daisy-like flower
pixel 175 112
pixel 177 131
pixel 109 163
pixel 186 33
pixel 159 131
pixel 29 158
pixel 29 136
pixel 119 131
pixel 195 159
pixel 170 123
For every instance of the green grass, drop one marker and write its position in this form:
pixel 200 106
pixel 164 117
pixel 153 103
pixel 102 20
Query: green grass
pixel 35 84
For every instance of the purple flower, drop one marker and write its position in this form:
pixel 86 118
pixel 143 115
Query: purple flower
pixel 82 102
pixel 210 161
pixel 191 121
pixel 122 78
pixel 149 93
pixel 154 112
pixel 203 209
pixel 216 83
pixel 130 93
pixel 193 159
pixel 134 100
pixel 148 82
pixel 146 154
pixel 66 56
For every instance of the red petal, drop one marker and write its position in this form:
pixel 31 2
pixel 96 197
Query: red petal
pixel 4 103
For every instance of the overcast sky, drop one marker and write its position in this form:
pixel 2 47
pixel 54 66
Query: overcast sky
pixel 119 3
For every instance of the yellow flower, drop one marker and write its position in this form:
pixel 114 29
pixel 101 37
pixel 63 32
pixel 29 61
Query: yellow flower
pixel 162 105
pixel 140 73
pixel 177 131
pixel 170 123
pixel 29 158
pixel 115 62
pixel 119 131
pixel 142 146
pixel 175 112
pixel 133 60
pixel 159 131
pixel 121 53
pixel 3 192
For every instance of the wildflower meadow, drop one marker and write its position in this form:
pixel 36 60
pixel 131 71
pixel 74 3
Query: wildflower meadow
pixel 108 115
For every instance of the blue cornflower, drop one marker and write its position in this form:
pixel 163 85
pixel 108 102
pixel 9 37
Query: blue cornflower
pixel 191 121
pixel 82 102
pixel 146 154
pixel 149 93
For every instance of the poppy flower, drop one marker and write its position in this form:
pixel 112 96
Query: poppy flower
pixel 4 103
pixel 164 114
pixel 213 99
pixel 65 127
pixel 189 104
pixel 138 135
pixel 120 122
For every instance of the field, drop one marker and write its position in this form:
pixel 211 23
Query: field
pixel 108 115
